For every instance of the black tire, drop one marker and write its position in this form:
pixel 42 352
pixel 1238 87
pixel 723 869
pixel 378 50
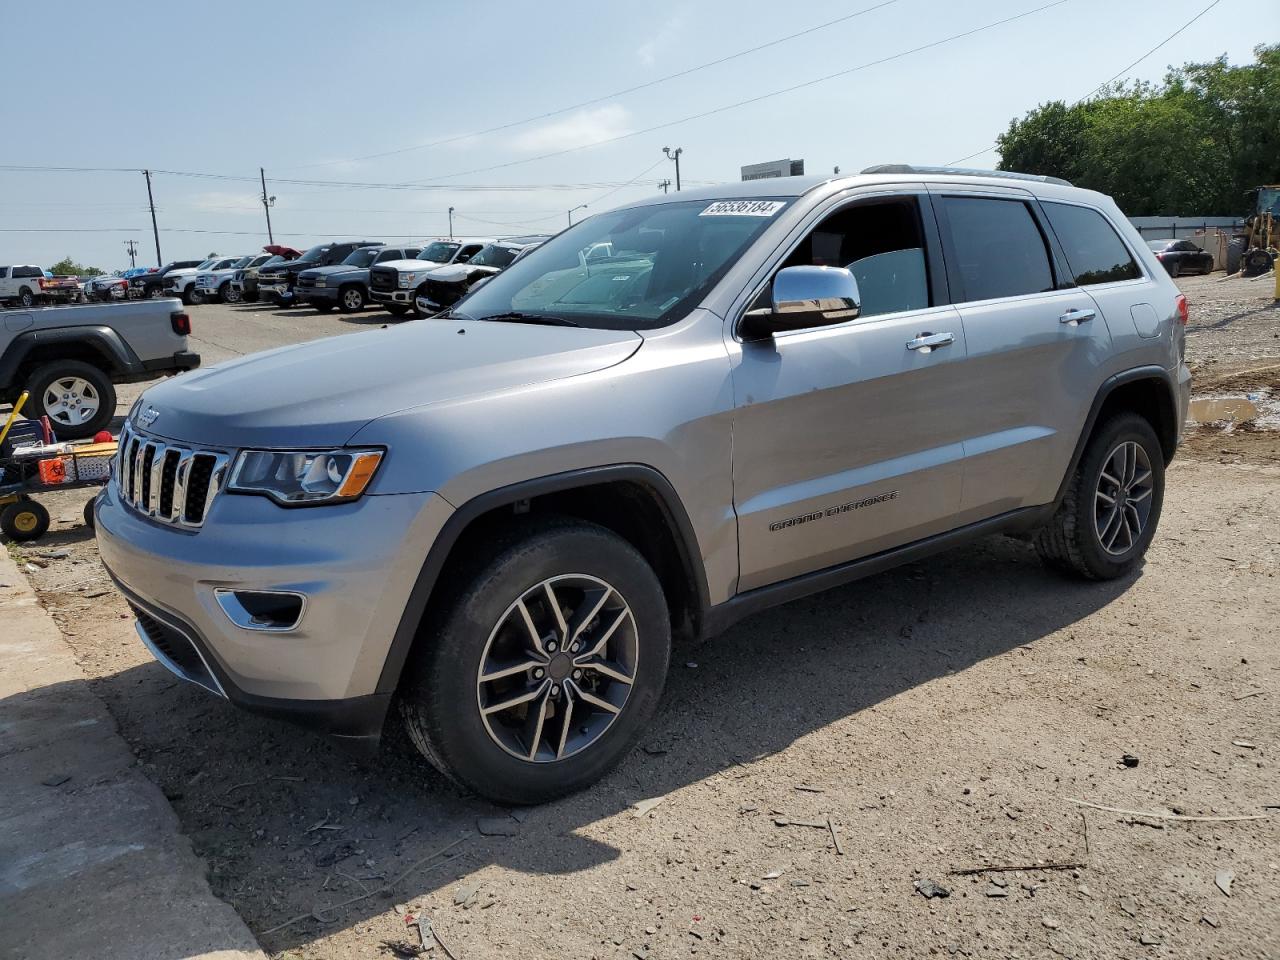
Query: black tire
pixel 42 377
pixel 155 292
pixel 1070 542
pixel 194 296
pixel 188 294
pixel 24 520
pixel 1235 251
pixel 395 309
pixel 1175 269
pixel 228 293
pixel 89 520
pixel 1256 262
pixel 440 702
pixel 26 298
pixel 351 299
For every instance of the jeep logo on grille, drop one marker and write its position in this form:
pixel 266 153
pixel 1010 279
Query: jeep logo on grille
pixel 148 416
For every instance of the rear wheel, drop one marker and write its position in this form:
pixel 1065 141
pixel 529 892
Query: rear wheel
pixel 26 298
pixel 24 520
pixel 540 675
pixel 89 519
pixel 1109 514
pixel 1175 268
pixel 77 397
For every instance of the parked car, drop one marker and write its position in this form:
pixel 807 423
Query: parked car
pixel 445 286
pixel 1181 257
pixel 395 285
pixel 69 358
pixel 246 280
pixel 219 284
pixel 499 520
pixel 105 289
pixel 181 282
pixel 278 282
pixel 27 285
pixel 149 286
pixel 346 285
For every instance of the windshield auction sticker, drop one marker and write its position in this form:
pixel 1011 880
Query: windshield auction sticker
pixel 743 208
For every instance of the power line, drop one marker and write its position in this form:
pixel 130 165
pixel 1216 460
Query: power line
pixel 608 96
pixel 1108 83
pixel 756 99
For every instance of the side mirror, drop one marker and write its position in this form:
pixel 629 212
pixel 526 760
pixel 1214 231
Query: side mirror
pixel 805 297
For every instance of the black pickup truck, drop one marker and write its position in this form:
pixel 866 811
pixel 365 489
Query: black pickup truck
pixel 276 282
pixel 150 286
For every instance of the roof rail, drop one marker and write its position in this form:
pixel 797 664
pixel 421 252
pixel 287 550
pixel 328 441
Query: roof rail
pixel 964 172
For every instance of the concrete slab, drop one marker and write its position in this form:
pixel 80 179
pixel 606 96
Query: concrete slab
pixel 92 862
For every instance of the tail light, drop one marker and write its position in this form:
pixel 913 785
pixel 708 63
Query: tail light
pixel 42 283
pixel 181 324
pixel 1181 304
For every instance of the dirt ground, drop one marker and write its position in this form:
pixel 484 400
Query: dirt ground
pixel 941 717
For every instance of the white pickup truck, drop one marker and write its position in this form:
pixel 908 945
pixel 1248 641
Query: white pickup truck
pixel 26 285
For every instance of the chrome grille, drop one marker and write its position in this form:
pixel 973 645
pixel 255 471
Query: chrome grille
pixel 172 483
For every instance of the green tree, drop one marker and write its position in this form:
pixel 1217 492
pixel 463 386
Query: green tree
pixel 68 267
pixel 1193 144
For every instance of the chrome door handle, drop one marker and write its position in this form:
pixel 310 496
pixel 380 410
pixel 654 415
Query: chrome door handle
pixel 1075 317
pixel 927 341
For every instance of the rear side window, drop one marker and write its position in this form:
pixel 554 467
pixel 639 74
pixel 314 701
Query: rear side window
pixel 1094 250
pixel 999 249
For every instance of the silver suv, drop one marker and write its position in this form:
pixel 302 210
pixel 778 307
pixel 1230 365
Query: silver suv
pixel 499 519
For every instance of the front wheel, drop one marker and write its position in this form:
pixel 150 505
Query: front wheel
pixel 538 678
pixel 1109 513
pixel 228 293
pixel 351 300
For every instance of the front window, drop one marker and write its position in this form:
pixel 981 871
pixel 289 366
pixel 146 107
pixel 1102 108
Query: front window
pixel 316 253
pixel 630 269
pixel 494 256
pixel 439 252
pixel 361 258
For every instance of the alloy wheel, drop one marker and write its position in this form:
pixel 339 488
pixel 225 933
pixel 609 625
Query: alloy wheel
pixel 352 300
pixel 558 668
pixel 71 401
pixel 1122 499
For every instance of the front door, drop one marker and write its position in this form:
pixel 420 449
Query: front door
pixel 845 438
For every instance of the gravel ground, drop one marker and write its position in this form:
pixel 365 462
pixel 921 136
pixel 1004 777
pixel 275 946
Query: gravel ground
pixel 942 716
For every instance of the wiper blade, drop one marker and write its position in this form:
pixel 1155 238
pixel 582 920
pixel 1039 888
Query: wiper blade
pixel 517 317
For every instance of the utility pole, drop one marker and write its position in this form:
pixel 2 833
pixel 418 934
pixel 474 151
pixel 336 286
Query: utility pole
pixel 451 223
pixel 267 204
pixel 154 229
pixel 675 155
pixel 571 212
pixel 664 185
pixel 132 247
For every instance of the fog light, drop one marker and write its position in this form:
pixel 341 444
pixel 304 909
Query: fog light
pixel 273 611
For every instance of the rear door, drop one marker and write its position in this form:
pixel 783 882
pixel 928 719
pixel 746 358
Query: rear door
pixel 846 439
pixel 1036 345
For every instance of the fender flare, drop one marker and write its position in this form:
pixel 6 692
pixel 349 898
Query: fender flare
pixel 664 493
pixel 1109 386
pixel 118 356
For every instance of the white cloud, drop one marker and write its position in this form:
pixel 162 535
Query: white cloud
pixel 576 130
pixel 649 51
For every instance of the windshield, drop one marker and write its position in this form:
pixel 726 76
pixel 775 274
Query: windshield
pixel 242 262
pixel 494 256
pixel 631 269
pixel 362 257
pixel 1158 245
pixel 274 260
pixel 440 252
pixel 316 252
pixel 207 264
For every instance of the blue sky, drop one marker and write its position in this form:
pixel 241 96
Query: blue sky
pixel 304 90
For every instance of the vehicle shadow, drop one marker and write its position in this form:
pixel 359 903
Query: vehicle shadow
pixel 280 809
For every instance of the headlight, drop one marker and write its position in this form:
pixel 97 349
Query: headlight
pixel 322 282
pixel 406 279
pixel 294 477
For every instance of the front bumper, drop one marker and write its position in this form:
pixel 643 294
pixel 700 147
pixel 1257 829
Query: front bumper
pixel 355 564
pixel 316 294
pixel 393 296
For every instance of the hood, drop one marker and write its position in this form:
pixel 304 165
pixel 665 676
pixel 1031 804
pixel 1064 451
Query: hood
pixel 460 273
pixel 224 272
pixel 329 271
pixel 410 266
pixel 320 393
pixel 183 273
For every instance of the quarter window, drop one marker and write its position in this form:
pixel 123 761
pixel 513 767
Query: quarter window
pixel 999 250
pixel 1094 250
